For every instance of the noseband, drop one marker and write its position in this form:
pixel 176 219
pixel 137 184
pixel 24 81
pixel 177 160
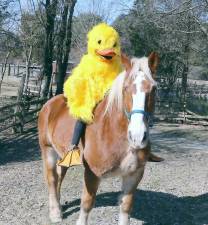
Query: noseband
pixel 147 115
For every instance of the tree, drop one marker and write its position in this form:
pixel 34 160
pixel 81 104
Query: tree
pixel 177 31
pixel 81 26
pixel 32 34
pixel 168 27
pixel 9 41
pixel 50 15
pixel 64 42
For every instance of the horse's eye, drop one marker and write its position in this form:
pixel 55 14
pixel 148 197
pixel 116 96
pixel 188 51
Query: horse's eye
pixel 99 42
pixel 115 45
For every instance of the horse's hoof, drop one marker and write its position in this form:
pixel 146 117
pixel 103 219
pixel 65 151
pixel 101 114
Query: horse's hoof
pixel 154 158
pixel 56 216
pixel 80 223
pixel 55 219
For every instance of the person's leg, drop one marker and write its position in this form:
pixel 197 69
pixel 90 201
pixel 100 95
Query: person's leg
pixel 79 130
pixel 72 157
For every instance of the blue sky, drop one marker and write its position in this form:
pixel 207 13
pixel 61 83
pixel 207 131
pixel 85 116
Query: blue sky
pixel 110 9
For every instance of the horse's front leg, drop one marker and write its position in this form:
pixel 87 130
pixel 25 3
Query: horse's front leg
pixel 91 183
pixel 129 185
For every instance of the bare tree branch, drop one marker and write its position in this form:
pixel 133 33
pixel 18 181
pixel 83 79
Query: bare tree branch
pixel 203 29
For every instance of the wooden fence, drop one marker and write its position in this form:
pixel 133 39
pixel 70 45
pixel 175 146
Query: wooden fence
pixel 28 101
pixel 18 69
pixel 16 115
pixel 191 109
pixel 21 96
pixel 177 112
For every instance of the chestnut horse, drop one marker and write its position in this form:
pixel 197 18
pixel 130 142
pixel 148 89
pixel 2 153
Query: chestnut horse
pixel 117 143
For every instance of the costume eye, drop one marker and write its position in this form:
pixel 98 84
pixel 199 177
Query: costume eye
pixel 115 45
pixel 99 42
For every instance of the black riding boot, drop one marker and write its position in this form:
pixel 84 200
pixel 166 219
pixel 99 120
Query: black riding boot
pixel 79 131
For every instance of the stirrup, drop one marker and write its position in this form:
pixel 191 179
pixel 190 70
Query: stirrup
pixel 71 158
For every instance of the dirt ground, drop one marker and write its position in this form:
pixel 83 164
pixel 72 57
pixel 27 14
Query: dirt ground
pixel 174 192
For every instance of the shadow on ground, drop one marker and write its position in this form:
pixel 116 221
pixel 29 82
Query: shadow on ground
pixel 25 147
pixel 156 208
pixel 200 133
pixel 179 141
pixel 19 147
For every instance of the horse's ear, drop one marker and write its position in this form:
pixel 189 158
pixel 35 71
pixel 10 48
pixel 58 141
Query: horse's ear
pixel 126 62
pixel 153 61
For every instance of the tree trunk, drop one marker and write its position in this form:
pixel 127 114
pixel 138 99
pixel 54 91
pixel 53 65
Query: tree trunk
pixel 27 69
pixel 186 55
pixel 51 9
pixel 65 40
pixel 4 68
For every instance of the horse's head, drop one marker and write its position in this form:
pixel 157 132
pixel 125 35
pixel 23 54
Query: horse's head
pixel 138 97
pixel 132 93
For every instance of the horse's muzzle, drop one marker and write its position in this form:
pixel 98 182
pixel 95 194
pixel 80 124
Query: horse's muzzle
pixel 138 139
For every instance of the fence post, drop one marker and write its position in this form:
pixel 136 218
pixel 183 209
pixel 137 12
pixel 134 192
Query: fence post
pixel 18 69
pixel 9 69
pixel 18 109
pixel 184 111
pixel 14 70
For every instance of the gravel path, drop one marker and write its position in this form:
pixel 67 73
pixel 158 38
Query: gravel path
pixel 174 192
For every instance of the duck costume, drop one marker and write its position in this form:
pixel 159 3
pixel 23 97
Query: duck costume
pixel 90 81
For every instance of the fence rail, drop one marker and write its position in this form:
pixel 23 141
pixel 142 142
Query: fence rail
pixel 169 105
pixel 179 114
pixel 19 114
pixel 17 69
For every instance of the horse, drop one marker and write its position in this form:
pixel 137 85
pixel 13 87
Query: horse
pixel 117 143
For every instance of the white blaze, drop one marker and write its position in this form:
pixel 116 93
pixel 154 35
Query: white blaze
pixel 137 127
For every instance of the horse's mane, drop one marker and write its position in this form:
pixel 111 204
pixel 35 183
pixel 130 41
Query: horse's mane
pixel 115 96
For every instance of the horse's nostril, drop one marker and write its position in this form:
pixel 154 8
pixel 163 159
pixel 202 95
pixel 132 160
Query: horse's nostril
pixel 144 137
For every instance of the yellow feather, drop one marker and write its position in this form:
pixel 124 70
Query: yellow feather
pixel 93 77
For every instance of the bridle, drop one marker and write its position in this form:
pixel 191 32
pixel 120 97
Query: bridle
pixel 147 115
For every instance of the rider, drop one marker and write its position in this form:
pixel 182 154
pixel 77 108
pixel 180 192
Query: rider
pixel 90 81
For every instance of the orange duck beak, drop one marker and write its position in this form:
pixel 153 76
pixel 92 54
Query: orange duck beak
pixel 106 53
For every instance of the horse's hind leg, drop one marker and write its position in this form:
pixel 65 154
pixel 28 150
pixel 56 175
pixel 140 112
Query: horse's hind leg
pixel 61 174
pixel 129 185
pixel 91 183
pixel 49 159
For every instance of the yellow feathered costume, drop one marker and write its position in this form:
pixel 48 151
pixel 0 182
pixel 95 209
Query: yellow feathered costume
pixel 94 75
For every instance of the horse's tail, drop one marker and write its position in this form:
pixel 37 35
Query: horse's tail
pixel 43 120
pixel 46 121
